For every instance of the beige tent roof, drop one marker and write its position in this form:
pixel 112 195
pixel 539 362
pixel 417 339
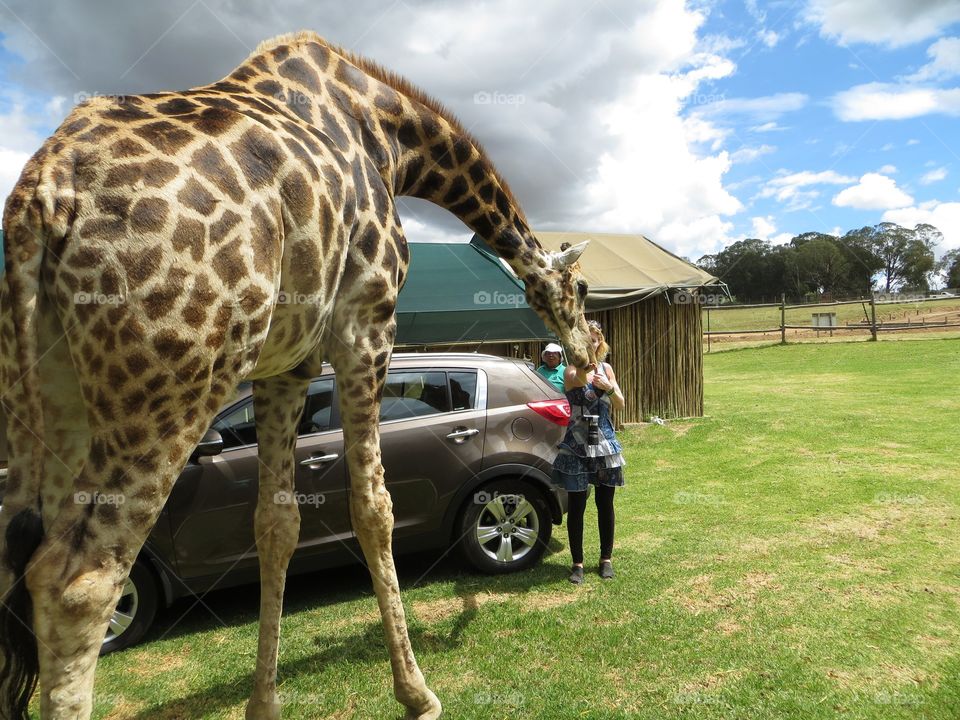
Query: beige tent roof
pixel 622 269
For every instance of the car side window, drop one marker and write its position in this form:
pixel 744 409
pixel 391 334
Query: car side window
pixel 414 393
pixel 463 390
pixel 238 427
pixel 318 410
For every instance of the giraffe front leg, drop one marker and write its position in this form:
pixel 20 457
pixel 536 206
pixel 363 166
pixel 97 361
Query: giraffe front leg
pixel 278 403
pixel 361 362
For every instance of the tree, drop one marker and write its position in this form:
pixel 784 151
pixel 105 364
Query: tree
pixel 949 265
pixel 905 256
pixel 750 268
pixel 819 266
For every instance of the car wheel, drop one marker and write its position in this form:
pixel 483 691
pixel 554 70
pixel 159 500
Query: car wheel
pixel 505 527
pixel 135 611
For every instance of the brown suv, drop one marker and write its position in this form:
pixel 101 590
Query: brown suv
pixel 467 442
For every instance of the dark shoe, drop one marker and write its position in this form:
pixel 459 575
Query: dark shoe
pixel 606 570
pixel 576 575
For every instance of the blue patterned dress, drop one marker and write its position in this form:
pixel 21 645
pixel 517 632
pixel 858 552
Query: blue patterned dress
pixel 578 464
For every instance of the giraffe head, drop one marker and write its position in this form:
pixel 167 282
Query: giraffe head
pixel 558 296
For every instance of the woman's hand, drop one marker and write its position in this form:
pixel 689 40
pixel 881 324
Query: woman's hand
pixel 601 383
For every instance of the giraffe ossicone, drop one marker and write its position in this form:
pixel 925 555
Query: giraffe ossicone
pixel 161 248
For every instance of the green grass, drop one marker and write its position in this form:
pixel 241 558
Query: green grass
pixel 794 554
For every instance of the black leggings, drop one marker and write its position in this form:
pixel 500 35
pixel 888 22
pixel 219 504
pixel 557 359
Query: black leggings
pixel 603 494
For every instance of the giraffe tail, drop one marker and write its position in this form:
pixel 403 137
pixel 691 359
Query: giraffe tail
pixel 30 221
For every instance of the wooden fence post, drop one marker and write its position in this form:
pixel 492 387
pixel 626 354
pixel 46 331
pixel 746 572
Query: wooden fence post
pixel 873 316
pixel 783 319
pixel 708 328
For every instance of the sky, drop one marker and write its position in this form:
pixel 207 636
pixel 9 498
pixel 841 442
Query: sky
pixel 696 124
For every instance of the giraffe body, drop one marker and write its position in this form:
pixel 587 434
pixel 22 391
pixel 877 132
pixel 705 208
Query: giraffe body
pixel 161 248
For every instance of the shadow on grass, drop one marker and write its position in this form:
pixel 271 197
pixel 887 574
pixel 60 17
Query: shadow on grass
pixel 366 646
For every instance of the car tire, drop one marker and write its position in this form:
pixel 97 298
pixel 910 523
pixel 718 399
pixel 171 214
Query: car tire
pixel 505 527
pixel 135 610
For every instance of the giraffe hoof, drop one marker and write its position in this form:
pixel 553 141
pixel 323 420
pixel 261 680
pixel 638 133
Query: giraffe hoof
pixel 262 710
pixel 428 709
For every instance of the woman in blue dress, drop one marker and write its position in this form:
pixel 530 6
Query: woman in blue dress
pixel 584 460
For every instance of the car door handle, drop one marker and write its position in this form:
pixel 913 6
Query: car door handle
pixel 318 460
pixel 462 433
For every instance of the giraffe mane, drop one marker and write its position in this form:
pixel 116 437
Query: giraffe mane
pixel 398 83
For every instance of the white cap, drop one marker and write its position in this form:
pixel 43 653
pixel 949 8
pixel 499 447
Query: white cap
pixel 552 347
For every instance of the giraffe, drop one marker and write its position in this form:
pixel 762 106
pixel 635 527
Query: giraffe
pixel 159 249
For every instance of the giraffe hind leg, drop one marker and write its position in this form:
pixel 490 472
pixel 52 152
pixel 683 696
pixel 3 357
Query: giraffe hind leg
pixel 361 359
pixel 278 403
pixel 29 503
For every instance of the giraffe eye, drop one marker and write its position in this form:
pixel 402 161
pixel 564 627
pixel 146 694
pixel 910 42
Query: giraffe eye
pixel 582 289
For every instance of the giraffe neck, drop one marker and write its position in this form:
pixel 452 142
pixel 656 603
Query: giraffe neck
pixel 439 162
pixel 418 149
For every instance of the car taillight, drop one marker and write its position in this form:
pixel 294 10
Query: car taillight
pixel 557 411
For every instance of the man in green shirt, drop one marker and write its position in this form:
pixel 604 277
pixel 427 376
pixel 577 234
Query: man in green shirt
pixel 552 367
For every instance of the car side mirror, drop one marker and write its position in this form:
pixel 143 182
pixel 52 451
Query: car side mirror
pixel 210 444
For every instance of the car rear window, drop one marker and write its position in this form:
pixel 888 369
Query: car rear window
pixel 463 390
pixel 409 394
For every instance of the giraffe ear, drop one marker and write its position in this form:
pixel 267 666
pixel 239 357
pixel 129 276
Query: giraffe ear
pixel 568 255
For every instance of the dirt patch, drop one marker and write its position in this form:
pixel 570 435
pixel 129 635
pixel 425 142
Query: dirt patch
pixel 121 708
pixel 431 611
pixel 536 602
pixel 727 626
pixel 878 523
pixel 362 616
pixel 148 664
pixel 880 677
pixel 700 595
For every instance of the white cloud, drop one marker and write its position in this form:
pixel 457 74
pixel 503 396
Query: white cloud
pixel 11 165
pixel 887 170
pixel 768 127
pixel 20 136
pixel 792 188
pixel 769 38
pixel 652 181
pixel 891 22
pixel 945 216
pixel 768 107
pixel 763 227
pixel 873 192
pixel 933 176
pixel 749 154
pixel 886 101
pixel 944 62
pixel 913 141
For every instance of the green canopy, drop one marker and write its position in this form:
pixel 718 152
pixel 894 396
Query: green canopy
pixel 461 293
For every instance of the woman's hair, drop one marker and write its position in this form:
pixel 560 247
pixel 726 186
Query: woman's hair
pixel 602 349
